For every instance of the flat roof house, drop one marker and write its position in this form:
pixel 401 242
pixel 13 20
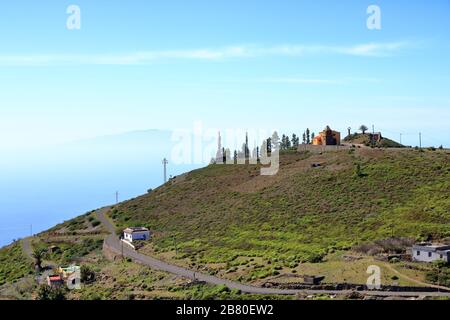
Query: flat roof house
pixel 427 252
pixel 67 272
pixel 136 233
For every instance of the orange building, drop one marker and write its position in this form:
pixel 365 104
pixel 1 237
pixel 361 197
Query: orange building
pixel 327 137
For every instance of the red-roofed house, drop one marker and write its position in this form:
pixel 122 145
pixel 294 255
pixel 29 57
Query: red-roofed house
pixel 54 280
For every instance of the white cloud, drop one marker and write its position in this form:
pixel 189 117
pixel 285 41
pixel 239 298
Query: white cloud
pixel 231 52
pixel 373 49
pixel 300 80
pixel 313 80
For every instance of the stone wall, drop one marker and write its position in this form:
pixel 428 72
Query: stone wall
pixel 348 286
pixel 322 148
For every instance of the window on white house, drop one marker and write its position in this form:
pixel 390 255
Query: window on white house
pixel 418 253
pixel 429 254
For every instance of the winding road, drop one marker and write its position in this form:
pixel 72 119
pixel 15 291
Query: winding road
pixel 113 242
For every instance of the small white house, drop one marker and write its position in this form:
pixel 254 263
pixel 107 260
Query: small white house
pixel 427 252
pixel 136 233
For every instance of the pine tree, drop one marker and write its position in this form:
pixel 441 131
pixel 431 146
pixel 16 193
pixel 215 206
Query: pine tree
pixel 287 143
pixel 294 140
pixel 246 150
pixel 269 145
pixel 308 141
pixel 283 142
pixel 304 137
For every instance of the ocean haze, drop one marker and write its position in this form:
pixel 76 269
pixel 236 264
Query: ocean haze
pixel 49 185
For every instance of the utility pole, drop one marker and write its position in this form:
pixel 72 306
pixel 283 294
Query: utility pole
pixel 31 230
pixel 400 138
pixel 373 136
pixel 165 162
pixel 420 140
pixel 117 197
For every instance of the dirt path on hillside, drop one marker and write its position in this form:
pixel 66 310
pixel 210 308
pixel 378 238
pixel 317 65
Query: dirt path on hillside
pixel 27 249
pixel 414 280
pixel 113 242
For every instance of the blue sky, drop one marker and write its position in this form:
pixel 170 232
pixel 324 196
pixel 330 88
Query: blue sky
pixel 230 64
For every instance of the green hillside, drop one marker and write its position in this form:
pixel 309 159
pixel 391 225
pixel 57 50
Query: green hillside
pixel 230 214
pixel 230 221
pixel 13 264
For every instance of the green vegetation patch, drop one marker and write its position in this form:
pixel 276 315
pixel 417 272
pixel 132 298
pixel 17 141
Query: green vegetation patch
pixel 13 263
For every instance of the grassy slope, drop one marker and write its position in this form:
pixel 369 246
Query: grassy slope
pixel 232 216
pixel 224 211
pixel 13 263
pixel 126 280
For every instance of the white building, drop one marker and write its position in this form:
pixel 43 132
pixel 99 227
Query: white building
pixel 427 252
pixel 136 233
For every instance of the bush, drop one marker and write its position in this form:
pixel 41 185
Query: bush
pixel 394 260
pixel 87 274
pixel 440 274
pixel 358 171
pixel 95 223
pixel 391 245
pixel 46 292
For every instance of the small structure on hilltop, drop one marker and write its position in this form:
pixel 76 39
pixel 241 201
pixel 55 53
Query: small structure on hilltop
pixel 376 137
pixel 427 252
pixel 131 234
pixel 327 137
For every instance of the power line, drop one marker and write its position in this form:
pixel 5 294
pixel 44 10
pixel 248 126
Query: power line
pixel 421 137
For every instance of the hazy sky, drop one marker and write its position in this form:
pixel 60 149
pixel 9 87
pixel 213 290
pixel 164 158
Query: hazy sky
pixel 231 64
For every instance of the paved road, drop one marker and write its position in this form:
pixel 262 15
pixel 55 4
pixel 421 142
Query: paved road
pixel 116 245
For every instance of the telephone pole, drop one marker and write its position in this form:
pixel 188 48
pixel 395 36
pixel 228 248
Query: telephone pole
pixel 400 138
pixel 373 136
pixel 165 162
pixel 117 197
pixel 420 140
pixel 31 230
